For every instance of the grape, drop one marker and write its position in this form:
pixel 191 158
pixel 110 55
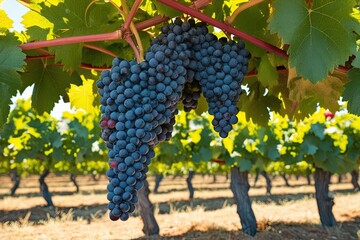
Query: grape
pixel 113 164
pixel 139 100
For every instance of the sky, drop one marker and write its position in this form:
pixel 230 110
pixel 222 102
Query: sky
pixel 15 11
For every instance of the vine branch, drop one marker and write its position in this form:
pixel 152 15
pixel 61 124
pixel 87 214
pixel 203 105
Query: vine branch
pixel 117 35
pixel 131 14
pixel 225 27
pixel 125 27
pixel 100 49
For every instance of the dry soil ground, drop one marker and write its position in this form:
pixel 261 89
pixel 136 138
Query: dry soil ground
pixel 289 213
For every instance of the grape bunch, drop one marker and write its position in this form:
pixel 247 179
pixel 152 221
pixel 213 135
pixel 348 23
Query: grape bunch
pixel 139 101
pixel 221 69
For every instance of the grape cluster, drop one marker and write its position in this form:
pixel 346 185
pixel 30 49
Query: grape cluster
pixel 221 69
pixel 139 101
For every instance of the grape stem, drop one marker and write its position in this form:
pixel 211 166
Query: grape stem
pixel 229 20
pixel 200 3
pixel 132 44
pixel 128 16
pixel 100 49
pixel 131 14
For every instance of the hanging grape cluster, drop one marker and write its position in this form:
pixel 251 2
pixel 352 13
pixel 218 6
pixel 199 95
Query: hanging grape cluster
pixel 139 101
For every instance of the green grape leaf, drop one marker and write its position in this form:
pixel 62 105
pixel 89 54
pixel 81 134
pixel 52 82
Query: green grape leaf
pixel 267 73
pixel 216 10
pixel 79 130
pixel 11 61
pixel 50 83
pixel 356 61
pixel 6 93
pixel 351 92
pixel 257 103
pixel 244 164
pixel 253 21
pixel 78 18
pixel 196 157
pixel 318 36
pixel 70 55
pixel 37 26
pixel 309 145
pixel 318 130
pixel 206 154
pixel 165 10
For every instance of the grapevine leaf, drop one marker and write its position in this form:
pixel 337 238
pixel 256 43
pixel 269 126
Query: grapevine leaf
pixel 11 61
pixel 356 61
pixel 82 96
pixel 70 55
pixel 50 83
pixel 165 10
pixel 6 22
pixel 202 105
pixel 318 130
pixel 267 73
pixel 216 10
pixel 80 130
pixel 196 157
pixel 78 18
pixel 38 27
pixel 257 103
pixel 318 37
pixel 254 22
pixel 205 153
pixel 244 164
pixel 309 145
pixel 306 95
pixel 351 92
pixel 6 93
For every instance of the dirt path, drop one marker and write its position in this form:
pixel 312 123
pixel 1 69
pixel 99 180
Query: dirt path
pixel 290 213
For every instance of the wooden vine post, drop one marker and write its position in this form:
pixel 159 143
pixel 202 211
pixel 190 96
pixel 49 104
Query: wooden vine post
pixel 240 187
pixel 325 201
pixel 146 210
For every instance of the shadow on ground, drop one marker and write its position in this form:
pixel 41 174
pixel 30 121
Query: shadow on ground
pixel 348 230
pixel 41 213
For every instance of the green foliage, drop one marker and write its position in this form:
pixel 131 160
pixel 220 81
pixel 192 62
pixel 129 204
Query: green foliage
pixel 351 93
pixel 50 83
pixel 11 61
pixel 318 35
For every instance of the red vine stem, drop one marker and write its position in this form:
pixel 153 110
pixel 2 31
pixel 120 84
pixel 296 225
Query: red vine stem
pixel 130 41
pixel 200 3
pixel 131 15
pixel 100 49
pixel 151 22
pixel 225 27
pixel 342 69
pixel 84 66
pixel 29 58
pixel 70 40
